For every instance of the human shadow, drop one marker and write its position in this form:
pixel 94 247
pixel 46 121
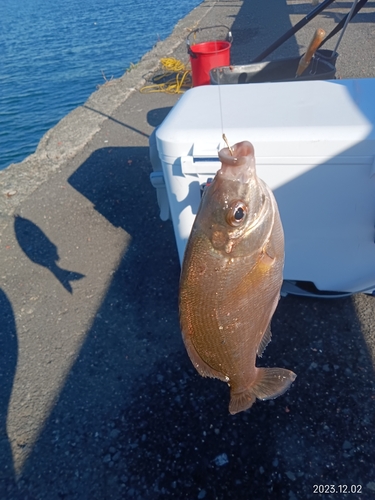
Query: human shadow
pixel 40 250
pixel 8 365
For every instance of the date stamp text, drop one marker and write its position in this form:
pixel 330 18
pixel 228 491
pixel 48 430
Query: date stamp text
pixel 337 488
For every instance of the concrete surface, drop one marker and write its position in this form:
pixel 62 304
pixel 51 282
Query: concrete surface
pixel 98 399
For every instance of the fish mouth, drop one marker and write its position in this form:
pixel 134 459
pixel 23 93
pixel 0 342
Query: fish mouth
pixel 237 155
pixel 238 163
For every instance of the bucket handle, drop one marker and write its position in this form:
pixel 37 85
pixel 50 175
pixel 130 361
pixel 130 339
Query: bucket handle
pixel 228 38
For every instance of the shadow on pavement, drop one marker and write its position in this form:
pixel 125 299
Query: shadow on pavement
pixel 157 115
pixel 8 365
pixel 126 125
pixel 255 28
pixel 135 420
pixel 361 17
pixel 40 250
pixel 182 439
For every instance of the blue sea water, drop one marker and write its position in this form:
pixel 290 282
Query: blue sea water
pixel 54 54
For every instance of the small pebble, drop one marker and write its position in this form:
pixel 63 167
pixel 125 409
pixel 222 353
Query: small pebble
pixel 313 365
pixel 371 486
pixel 11 192
pixel 291 476
pixel 221 460
pixel 202 494
pixel 347 445
pixel 114 433
pixel 261 470
pixel 107 459
pixel 275 462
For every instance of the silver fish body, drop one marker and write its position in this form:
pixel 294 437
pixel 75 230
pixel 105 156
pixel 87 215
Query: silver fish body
pixel 230 281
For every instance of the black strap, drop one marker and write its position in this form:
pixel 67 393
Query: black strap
pixel 340 25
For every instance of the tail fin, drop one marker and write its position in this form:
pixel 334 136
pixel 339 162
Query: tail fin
pixel 242 401
pixel 269 384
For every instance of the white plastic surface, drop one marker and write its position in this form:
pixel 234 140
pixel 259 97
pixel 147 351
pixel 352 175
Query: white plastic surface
pixel 314 146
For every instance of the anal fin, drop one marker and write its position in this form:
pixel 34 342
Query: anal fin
pixel 266 339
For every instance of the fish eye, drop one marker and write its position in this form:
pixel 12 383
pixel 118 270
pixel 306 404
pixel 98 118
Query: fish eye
pixel 236 213
pixel 240 213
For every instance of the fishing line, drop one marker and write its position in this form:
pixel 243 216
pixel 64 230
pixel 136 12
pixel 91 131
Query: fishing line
pixel 221 118
pixel 220 107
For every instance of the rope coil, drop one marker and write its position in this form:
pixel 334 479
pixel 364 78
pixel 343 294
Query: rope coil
pixel 177 76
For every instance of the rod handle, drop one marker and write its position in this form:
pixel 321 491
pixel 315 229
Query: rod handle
pixel 311 49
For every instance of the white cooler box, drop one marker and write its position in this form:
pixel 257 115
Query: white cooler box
pixel 314 146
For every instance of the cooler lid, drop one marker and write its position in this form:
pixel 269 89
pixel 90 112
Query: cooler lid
pixel 282 119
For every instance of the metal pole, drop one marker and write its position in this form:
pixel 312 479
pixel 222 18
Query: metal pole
pixel 350 15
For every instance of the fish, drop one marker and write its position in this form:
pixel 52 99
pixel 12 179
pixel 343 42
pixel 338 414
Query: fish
pixel 230 282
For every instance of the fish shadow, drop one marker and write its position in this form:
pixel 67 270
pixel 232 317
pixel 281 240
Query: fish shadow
pixel 40 250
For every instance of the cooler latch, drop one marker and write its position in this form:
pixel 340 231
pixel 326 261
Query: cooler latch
pixel 157 180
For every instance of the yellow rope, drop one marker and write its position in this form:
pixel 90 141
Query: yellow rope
pixel 174 68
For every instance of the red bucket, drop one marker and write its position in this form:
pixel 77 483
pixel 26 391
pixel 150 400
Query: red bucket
pixel 206 56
